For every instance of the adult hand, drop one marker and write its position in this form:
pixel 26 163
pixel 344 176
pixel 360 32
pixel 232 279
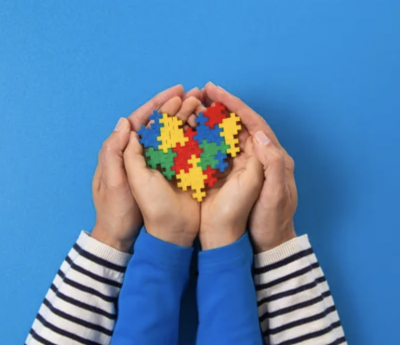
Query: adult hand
pixel 271 220
pixel 169 213
pixel 118 219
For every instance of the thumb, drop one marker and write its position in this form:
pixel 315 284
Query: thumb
pixel 112 162
pixel 272 159
pixel 135 163
pixel 254 168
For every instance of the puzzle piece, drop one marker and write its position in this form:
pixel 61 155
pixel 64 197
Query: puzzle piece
pixel 203 132
pixel 184 179
pixel 158 158
pixel 184 153
pixel 194 179
pixel 211 148
pixel 148 137
pixel 209 155
pixel 216 113
pixel 230 128
pixel 210 180
pixel 171 133
pixel 207 161
pixel 168 172
pixel 197 179
pixel 221 165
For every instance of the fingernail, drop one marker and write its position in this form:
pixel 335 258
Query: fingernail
pixel 210 82
pixel 222 88
pixel 262 138
pixel 120 125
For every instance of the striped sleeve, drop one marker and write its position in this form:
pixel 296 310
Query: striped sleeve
pixel 80 306
pixel 295 305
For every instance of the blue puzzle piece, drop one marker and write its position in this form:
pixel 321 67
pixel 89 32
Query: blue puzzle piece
pixel 203 132
pixel 148 136
pixel 156 117
pixel 220 157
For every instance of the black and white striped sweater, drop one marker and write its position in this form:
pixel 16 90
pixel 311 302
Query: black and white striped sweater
pixel 295 305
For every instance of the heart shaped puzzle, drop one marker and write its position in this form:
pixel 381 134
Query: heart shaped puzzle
pixel 192 156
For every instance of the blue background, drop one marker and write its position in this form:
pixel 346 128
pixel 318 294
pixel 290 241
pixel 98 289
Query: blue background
pixel 324 74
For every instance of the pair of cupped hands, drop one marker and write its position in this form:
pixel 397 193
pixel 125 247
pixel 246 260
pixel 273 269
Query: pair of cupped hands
pixel 259 190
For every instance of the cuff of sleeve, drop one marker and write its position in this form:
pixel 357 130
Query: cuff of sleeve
pixel 235 253
pixel 161 252
pixel 281 252
pixel 102 251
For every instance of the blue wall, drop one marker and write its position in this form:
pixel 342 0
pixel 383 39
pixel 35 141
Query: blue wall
pixel 324 74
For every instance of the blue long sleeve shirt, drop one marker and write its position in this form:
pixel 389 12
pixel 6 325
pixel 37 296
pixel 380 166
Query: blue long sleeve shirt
pixel 150 296
pixel 226 297
pixel 156 278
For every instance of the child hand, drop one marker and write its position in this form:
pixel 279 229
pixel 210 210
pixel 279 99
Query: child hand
pixel 227 206
pixel 118 219
pixel 169 213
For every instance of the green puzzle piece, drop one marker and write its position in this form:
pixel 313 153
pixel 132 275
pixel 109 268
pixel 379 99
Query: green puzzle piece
pixel 168 173
pixel 159 158
pixel 209 152
pixel 206 160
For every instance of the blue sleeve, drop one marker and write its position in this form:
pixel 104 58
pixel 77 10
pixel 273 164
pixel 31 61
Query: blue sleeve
pixel 150 296
pixel 226 296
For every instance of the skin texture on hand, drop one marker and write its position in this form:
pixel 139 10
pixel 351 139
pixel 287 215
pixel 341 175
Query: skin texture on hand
pixel 169 213
pixel 118 218
pixel 271 220
pixel 227 206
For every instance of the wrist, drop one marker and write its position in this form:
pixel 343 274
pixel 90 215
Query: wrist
pixel 102 235
pixel 219 237
pixel 268 243
pixel 173 235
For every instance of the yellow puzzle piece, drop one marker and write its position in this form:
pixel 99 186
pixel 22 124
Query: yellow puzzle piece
pixel 171 133
pixel 193 179
pixel 230 128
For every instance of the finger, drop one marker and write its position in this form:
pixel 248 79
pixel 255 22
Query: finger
pixel 195 92
pixel 272 159
pixel 254 167
pixel 207 100
pixel 192 118
pixel 242 136
pixel 172 106
pixel 135 163
pixel 111 155
pixel 250 119
pixel 141 116
pixel 188 108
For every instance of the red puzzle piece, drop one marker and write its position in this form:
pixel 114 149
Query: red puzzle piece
pixel 215 114
pixel 185 153
pixel 210 180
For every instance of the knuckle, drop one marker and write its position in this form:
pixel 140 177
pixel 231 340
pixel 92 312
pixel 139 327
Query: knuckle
pixel 192 99
pixel 276 157
pixel 154 104
pixel 107 146
pixel 290 162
